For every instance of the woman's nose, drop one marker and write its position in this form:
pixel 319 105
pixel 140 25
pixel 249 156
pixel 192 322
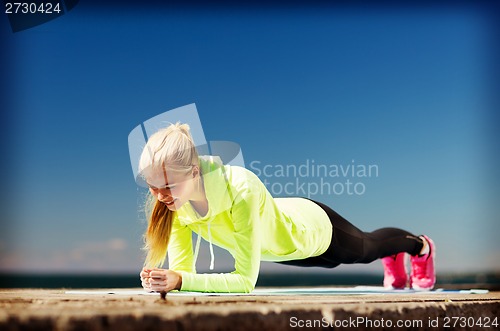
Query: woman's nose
pixel 162 195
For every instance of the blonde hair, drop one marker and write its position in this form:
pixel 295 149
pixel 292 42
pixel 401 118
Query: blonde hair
pixel 170 149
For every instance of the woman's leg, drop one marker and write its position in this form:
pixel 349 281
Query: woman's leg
pixel 351 245
pixel 315 261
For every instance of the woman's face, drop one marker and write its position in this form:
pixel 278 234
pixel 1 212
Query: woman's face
pixel 174 189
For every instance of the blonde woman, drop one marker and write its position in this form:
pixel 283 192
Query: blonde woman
pixel 230 207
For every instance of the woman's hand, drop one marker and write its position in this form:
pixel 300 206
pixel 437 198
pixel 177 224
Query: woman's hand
pixel 160 280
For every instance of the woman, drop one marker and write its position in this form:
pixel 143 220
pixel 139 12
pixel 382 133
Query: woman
pixel 230 207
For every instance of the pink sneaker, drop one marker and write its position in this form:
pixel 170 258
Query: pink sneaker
pixel 395 276
pixel 423 276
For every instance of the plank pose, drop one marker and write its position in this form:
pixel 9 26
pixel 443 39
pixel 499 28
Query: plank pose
pixel 230 207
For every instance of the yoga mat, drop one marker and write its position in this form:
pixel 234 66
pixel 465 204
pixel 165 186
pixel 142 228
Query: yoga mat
pixel 359 290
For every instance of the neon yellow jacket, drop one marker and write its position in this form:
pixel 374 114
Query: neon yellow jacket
pixel 249 223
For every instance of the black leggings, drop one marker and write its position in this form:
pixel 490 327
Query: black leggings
pixel 351 245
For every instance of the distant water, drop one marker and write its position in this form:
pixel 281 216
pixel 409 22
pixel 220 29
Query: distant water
pixel 490 281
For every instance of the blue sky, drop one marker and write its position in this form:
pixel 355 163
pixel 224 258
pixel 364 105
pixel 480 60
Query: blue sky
pixel 403 88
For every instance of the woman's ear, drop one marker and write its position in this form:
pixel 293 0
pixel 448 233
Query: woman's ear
pixel 196 171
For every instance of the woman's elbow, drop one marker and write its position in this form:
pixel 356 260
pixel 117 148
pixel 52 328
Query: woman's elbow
pixel 248 285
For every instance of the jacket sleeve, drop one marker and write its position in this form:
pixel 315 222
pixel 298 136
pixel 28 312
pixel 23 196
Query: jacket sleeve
pixel 246 219
pixel 180 248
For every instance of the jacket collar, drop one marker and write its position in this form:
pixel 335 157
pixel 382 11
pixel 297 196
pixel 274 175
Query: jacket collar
pixel 217 190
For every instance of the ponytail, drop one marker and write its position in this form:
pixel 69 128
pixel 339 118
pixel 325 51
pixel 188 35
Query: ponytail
pixel 157 234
